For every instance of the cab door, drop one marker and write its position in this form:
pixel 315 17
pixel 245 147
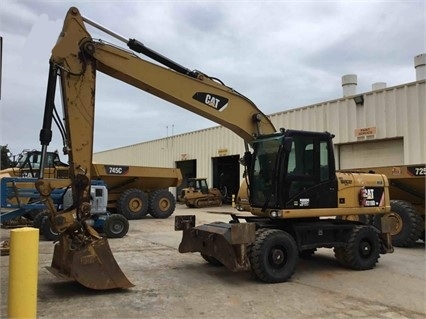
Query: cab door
pixel 310 179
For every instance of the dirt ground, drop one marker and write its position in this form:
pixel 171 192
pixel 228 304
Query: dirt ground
pixel 173 285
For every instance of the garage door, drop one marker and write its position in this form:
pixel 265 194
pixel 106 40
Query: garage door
pixel 370 154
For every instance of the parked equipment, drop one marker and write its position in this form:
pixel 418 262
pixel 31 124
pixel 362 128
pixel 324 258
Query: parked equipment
pixel 133 191
pixel 198 194
pixel 407 194
pixel 19 198
pixel 292 178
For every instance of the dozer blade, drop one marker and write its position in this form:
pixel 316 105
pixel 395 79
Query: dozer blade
pixel 223 241
pixel 91 265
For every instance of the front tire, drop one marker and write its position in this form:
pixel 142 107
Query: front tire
pixel 273 256
pixel 133 204
pixel 116 226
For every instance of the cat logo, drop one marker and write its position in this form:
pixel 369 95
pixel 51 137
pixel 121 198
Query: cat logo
pixel 215 101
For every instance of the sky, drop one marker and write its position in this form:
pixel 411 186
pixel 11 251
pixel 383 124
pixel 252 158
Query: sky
pixel 280 54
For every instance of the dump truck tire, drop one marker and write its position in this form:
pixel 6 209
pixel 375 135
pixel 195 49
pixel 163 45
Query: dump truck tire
pixel 362 250
pixel 162 204
pixel 116 226
pixel 47 231
pixel 273 256
pixel 406 223
pixel 133 204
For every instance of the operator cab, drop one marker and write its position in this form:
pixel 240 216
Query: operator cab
pixel 293 169
pixel 29 162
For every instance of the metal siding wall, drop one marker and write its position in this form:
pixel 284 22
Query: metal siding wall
pixel 396 112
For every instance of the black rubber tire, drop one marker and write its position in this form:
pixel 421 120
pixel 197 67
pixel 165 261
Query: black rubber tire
pixel 47 231
pixel 362 250
pixel 162 204
pixel 133 204
pixel 273 256
pixel 409 232
pixel 116 226
pixel 211 260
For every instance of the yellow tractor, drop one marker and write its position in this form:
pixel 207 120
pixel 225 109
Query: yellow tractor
pixel 198 194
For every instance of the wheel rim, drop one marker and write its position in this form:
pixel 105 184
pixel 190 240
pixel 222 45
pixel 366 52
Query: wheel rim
pixel 117 228
pixel 135 205
pixel 277 257
pixel 395 223
pixel 164 204
pixel 365 248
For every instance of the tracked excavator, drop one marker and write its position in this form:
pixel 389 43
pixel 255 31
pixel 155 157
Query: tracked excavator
pixel 292 179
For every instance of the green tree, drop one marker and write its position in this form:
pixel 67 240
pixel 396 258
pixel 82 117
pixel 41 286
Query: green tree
pixel 5 160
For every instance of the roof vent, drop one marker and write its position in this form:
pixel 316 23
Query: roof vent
pixel 378 86
pixel 349 82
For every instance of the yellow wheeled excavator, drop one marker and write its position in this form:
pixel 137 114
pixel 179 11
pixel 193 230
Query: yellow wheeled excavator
pixel 292 179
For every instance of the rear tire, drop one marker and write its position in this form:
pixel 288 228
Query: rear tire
pixel 162 204
pixel 133 204
pixel 116 226
pixel 362 250
pixel 273 256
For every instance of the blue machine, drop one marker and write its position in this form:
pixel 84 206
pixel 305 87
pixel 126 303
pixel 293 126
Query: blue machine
pixel 22 201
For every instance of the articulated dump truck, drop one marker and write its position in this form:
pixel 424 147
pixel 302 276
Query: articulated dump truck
pixel 294 188
pixel 133 191
pixel 407 194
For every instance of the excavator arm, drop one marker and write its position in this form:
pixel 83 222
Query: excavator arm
pixel 76 59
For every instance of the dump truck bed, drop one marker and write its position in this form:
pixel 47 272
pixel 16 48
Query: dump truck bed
pixel 142 177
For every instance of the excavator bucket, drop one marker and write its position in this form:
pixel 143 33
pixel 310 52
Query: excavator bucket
pixel 92 265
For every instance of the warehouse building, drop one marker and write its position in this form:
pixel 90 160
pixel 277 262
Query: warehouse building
pixel 385 126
